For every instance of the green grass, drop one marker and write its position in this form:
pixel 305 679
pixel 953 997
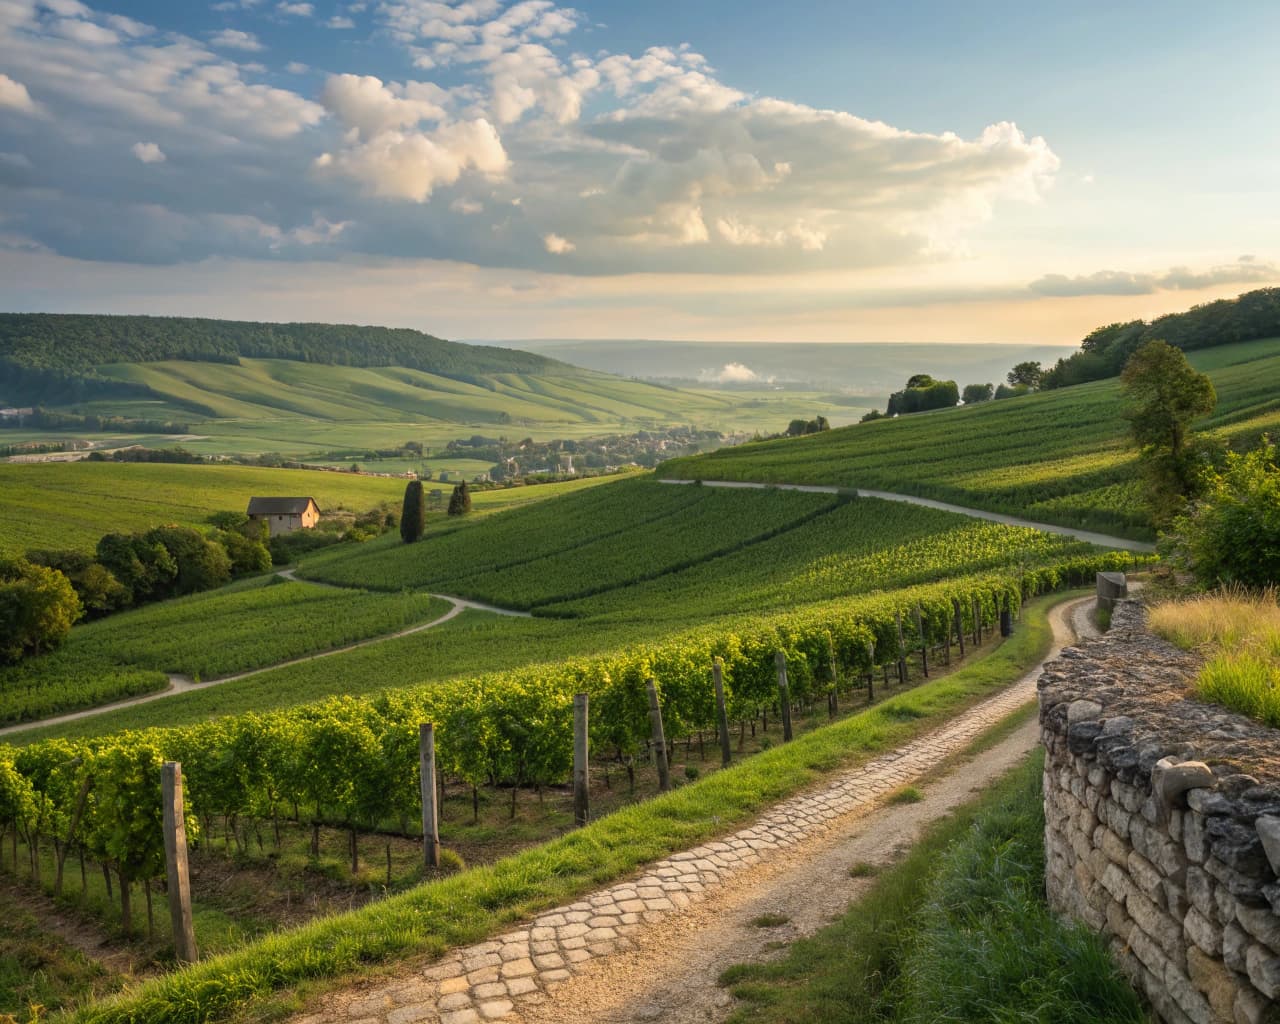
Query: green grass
pixel 906 795
pixel 1061 456
pixel 245 626
pixel 475 903
pixel 71 505
pixel 1238 633
pixel 958 931
pixel 38 969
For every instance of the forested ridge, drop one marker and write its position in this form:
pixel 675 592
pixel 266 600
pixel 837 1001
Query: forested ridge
pixel 58 352
pixel 1104 352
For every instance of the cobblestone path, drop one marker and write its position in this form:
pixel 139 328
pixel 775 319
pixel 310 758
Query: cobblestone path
pixel 522 969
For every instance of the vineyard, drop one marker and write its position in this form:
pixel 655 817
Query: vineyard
pixel 241 627
pixel 353 761
pixel 1059 457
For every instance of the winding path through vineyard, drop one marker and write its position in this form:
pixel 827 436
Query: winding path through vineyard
pixel 1101 539
pixel 179 683
pixel 652 948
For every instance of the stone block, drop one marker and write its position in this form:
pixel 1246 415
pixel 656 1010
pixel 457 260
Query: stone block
pixel 1200 892
pixel 1262 924
pixel 1189 999
pixel 1216 982
pixel 1195 841
pixel 1170 781
pixel 1235 945
pixel 1157 924
pixel 1203 932
pixel 1268 827
pixel 1263 968
pixel 1251 1007
pixel 1148 879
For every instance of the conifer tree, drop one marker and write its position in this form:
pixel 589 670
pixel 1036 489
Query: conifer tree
pixel 460 500
pixel 413 516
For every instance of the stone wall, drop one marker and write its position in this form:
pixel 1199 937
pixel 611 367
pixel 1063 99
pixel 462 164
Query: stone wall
pixel 1163 825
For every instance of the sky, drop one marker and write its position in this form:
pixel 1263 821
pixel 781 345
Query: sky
pixel 818 171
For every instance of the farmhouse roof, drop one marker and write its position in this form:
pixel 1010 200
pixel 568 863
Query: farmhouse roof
pixel 279 506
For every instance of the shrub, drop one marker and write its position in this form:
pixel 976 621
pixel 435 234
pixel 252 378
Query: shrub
pixel 460 500
pixel 1232 534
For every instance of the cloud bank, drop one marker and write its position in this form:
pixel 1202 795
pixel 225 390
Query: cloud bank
pixel 509 146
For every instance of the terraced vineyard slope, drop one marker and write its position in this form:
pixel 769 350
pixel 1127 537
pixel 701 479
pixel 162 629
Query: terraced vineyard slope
pixel 1059 456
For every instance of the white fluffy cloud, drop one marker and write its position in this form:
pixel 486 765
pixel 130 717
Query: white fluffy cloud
pixel 148 152
pixel 235 39
pixel 14 95
pixel 508 145
pixel 556 245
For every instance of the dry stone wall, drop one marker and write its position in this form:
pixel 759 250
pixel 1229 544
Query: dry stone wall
pixel 1163 825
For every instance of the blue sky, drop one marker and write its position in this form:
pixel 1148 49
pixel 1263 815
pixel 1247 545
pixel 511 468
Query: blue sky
pixel 478 168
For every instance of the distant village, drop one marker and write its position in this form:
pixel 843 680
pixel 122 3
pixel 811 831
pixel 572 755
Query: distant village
pixel 509 460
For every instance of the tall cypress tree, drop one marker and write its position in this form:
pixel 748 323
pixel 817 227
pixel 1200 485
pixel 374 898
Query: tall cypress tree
pixel 460 500
pixel 413 517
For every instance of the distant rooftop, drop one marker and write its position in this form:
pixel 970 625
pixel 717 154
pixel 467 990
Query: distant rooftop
pixel 279 506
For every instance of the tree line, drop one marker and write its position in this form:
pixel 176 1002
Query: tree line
pixel 1105 350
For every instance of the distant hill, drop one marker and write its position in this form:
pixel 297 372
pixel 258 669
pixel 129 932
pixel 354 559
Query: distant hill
pixel 54 358
pixel 871 368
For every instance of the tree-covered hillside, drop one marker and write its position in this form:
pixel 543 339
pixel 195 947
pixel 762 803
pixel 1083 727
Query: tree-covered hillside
pixel 47 355
pixel 1104 352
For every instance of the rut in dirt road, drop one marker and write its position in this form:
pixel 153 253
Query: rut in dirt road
pixel 597 959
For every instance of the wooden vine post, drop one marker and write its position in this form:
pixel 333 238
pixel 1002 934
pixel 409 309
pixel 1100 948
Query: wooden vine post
pixel 581 808
pixel 722 713
pixel 955 603
pixel 871 672
pixel 427 781
pixel 784 694
pixel 902 650
pixel 924 644
pixel 175 861
pixel 659 737
pixel 977 621
pixel 1006 617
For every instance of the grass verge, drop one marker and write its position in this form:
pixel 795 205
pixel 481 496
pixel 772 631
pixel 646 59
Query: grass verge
pixel 958 931
pixel 469 906
pixel 1239 634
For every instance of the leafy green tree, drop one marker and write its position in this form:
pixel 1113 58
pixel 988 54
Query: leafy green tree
pixel 975 393
pixel 1027 373
pixel 1165 395
pixel 37 608
pixel 460 500
pixel 145 568
pixel 248 557
pixel 1231 534
pixel 99 591
pixel 201 564
pixel 413 515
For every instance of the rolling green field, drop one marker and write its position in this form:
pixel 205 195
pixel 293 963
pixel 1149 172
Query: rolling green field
pixel 243 626
pixel 1059 456
pixel 297 408
pixel 71 505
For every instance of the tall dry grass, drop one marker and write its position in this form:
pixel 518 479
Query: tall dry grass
pixel 1238 632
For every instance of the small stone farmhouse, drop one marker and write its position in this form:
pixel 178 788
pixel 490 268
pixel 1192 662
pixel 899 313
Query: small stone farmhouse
pixel 284 515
